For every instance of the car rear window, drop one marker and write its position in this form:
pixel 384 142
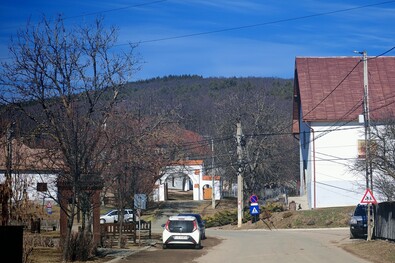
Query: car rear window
pixel 180 226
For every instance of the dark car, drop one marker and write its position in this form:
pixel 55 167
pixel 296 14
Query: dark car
pixel 201 223
pixel 359 222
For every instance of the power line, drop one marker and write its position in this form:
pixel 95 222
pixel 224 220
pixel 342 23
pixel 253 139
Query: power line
pixel 259 24
pixel 115 9
pixel 226 29
pixel 339 188
pixel 104 11
pixel 337 86
pixel 382 54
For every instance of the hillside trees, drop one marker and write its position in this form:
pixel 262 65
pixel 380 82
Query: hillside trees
pixel 270 156
pixel 212 106
pixel 65 73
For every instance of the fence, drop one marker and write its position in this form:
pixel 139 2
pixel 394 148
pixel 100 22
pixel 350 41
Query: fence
pixel 384 226
pixel 111 232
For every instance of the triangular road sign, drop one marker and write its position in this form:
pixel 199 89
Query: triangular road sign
pixel 368 197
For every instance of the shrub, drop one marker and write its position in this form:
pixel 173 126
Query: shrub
pixel 82 246
pixel 275 207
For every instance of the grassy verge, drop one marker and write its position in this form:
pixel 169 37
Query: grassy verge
pixel 378 251
pixel 271 217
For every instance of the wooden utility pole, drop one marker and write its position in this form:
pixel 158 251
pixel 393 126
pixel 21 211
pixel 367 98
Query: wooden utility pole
pixel 212 174
pixel 240 171
pixel 369 175
pixel 368 170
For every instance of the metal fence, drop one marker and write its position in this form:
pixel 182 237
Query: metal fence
pixel 384 226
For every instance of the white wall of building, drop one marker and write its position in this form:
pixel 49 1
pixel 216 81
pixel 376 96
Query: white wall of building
pixel 330 153
pixel 29 182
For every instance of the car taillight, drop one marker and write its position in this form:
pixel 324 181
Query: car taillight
pixel 194 226
pixel 167 225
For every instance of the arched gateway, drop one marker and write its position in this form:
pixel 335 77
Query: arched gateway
pixel 194 170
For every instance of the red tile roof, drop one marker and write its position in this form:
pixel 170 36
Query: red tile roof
pixel 30 160
pixel 328 89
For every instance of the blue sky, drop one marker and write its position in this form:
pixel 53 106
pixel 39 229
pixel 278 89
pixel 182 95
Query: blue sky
pixel 223 38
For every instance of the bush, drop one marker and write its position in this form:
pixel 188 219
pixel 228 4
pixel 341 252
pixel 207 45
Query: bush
pixel 82 246
pixel 221 218
pixel 275 207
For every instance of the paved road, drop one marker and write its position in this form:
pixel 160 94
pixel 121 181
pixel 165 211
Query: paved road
pixel 240 246
pixel 280 246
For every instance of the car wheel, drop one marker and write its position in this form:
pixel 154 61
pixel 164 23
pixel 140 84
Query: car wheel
pixel 198 245
pixel 164 246
pixel 352 236
pixel 102 221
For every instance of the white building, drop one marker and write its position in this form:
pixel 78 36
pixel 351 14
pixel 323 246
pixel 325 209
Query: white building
pixel 328 100
pixel 187 175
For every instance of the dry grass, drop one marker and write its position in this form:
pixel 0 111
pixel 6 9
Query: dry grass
pixel 377 251
pixel 53 255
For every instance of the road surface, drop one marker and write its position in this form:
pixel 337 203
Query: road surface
pixel 236 246
pixel 280 246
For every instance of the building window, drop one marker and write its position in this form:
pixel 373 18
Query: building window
pixel 362 148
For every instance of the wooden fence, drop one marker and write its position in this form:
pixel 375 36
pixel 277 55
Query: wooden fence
pixel 111 232
pixel 384 225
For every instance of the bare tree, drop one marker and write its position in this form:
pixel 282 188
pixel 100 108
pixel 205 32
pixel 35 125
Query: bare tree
pixel 383 158
pixel 270 153
pixel 66 81
pixel 381 162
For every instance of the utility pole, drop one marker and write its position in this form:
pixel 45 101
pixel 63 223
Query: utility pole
pixel 212 174
pixel 240 171
pixel 368 170
pixel 366 117
pixel 367 142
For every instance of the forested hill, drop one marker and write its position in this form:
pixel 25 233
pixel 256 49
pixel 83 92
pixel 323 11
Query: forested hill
pixel 199 102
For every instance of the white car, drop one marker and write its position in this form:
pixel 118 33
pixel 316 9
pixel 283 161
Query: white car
pixel 181 230
pixel 112 216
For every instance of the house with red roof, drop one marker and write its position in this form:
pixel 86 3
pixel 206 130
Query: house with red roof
pixel 327 110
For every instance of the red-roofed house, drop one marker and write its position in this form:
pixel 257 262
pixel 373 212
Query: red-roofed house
pixel 328 99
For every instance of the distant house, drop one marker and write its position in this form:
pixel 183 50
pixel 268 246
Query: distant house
pixel 328 99
pixel 187 175
pixel 31 167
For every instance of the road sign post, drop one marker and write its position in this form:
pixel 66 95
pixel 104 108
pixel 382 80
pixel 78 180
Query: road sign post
pixel 254 211
pixel 49 208
pixel 253 199
pixel 369 199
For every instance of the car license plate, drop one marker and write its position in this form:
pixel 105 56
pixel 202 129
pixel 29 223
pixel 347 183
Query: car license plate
pixel 180 237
